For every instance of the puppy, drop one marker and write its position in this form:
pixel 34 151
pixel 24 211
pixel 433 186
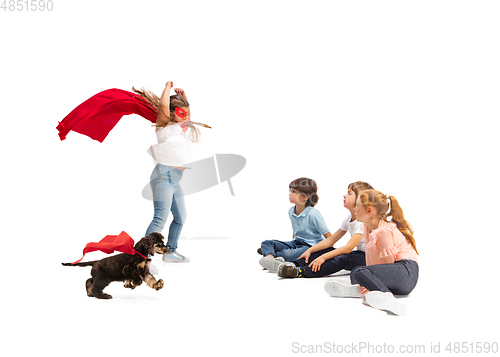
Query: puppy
pixel 132 269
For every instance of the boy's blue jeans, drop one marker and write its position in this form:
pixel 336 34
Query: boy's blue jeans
pixel 167 196
pixel 290 251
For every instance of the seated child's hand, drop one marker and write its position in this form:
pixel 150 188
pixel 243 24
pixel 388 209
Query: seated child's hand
pixel 305 255
pixel 317 263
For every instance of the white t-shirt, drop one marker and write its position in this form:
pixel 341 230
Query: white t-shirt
pixel 174 146
pixel 354 227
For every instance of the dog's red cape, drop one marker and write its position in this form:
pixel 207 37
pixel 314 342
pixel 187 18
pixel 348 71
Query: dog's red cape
pixel 100 113
pixel 121 243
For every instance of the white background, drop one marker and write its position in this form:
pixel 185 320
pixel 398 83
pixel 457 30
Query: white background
pixel 401 94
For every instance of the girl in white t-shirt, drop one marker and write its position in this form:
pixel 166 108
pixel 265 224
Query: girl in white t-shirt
pixel 322 259
pixel 175 133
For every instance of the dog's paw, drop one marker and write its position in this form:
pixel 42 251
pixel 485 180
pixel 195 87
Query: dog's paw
pixel 159 284
pixel 130 284
pixel 103 296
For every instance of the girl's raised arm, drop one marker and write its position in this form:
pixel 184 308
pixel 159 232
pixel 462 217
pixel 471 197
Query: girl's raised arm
pixel 181 91
pixel 164 108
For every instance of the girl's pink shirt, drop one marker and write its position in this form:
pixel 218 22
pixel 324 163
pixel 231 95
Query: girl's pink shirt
pixel 386 241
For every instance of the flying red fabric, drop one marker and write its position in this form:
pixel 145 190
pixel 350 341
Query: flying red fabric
pixel 121 243
pixel 100 113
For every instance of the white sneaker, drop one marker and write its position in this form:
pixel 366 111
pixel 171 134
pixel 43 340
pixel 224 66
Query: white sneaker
pixel 174 257
pixel 334 288
pixel 271 264
pixel 385 301
pixel 274 264
pixel 263 261
pixel 153 270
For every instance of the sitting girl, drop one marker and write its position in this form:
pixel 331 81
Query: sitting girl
pixel 308 225
pixel 391 255
pixel 325 259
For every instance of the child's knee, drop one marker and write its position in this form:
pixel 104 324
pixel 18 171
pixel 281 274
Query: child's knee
pixel 267 243
pixel 291 255
pixel 180 219
pixel 357 274
pixel 267 248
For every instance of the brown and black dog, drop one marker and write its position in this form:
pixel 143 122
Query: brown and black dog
pixel 132 269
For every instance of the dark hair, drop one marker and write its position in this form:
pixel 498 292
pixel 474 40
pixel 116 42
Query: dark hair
pixel 306 186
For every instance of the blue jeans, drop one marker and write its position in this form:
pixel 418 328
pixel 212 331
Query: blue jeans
pixel 290 251
pixel 344 261
pixel 167 196
pixel 399 278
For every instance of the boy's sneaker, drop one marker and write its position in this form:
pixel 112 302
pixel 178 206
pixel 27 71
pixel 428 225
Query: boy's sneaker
pixel 290 271
pixel 263 261
pixel 334 288
pixel 174 257
pixel 259 251
pixel 385 301
pixel 271 264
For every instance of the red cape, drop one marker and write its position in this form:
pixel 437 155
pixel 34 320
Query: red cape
pixel 100 113
pixel 121 243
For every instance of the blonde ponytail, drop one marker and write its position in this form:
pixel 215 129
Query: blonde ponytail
pixel 396 213
pixel 388 206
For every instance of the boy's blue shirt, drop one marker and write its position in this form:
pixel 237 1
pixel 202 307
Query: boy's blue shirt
pixel 309 226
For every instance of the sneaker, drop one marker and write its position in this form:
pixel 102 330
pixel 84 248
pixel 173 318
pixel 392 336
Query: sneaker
pixel 263 261
pixel 271 264
pixel 334 288
pixel 286 270
pixel 174 257
pixel 259 251
pixel 153 270
pixel 385 301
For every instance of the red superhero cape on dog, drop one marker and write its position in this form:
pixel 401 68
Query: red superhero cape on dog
pixel 121 243
pixel 100 113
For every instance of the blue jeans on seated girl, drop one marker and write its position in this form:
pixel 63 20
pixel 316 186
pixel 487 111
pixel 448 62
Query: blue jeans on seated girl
pixel 290 251
pixel 167 196
pixel 399 278
pixel 344 261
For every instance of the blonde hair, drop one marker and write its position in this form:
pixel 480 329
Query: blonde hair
pixel 385 209
pixel 176 100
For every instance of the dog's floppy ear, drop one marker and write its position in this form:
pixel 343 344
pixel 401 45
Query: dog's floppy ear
pixel 149 245
pixel 156 237
pixel 145 246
